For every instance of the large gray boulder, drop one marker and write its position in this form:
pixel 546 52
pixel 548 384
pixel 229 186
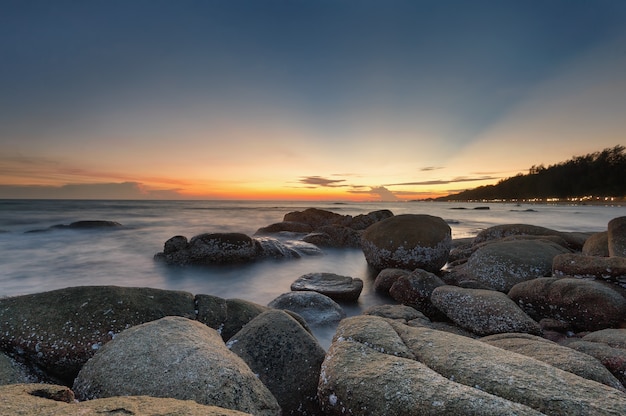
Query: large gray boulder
pixel 368 370
pixel 409 242
pixel 59 330
pixel 285 357
pixel 415 289
pixel 597 245
pixel 575 241
pixel 483 312
pixel 379 366
pixel 583 305
pixel 614 359
pixel 55 400
pixel 227 316
pixel 501 265
pixel 559 356
pixel 177 358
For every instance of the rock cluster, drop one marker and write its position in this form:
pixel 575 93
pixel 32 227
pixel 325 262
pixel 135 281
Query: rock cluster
pixel 523 320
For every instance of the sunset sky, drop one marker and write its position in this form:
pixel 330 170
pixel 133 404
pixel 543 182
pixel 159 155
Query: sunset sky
pixel 295 99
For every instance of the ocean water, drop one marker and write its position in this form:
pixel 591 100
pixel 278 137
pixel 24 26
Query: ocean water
pixel 58 258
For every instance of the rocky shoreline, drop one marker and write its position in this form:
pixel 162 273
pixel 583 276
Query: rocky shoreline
pixel 520 319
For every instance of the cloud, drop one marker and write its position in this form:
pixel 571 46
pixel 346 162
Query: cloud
pixel 445 182
pixel 378 191
pixel 429 168
pixel 320 181
pixel 124 190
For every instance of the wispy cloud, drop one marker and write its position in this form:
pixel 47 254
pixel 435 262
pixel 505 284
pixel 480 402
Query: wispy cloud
pixel 124 190
pixel 323 182
pixel 429 168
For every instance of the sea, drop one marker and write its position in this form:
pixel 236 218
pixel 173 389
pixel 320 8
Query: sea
pixel 55 258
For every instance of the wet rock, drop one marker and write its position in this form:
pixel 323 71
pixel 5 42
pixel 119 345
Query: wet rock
pixel 48 399
pixel 387 277
pixel 316 309
pixel 574 240
pixel 597 245
pixel 617 237
pixel 285 357
pixel 216 248
pixel 565 358
pixel 315 217
pixel 401 312
pixel 609 269
pixel 226 316
pixel 585 305
pixel 362 221
pixel 58 331
pixel 407 242
pixel 82 225
pixel 379 366
pixel 415 290
pixel 336 287
pixel 335 236
pixel 501 265
pixel 614 359
pixel 289 226
pixel 12 372
pixel 483 312
pixel 613 337
pixel 177 358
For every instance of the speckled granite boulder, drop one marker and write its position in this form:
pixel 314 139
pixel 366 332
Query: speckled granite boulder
pixel 54 400
pixel 59 330
pixel 12 372
pixel 562 357
pixel 574 240
pixel 408 242
pixel 597 245
pixel 614 359
pixel 609 269
pixel 483 312
pixel 285 357
pixel 379 366
pixel 415 289
pixel 584 305
pixel 501 265
pixel 178 358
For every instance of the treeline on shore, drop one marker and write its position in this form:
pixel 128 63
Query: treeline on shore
pixel 599 174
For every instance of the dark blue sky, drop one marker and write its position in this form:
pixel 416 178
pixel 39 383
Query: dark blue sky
pixel 427 76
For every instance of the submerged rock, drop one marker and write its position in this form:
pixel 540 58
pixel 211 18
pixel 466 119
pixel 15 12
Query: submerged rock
pixel 316 309
pixel 81 225
pixel 336 287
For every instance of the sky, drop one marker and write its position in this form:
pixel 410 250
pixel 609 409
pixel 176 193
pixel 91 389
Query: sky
pixel 301 100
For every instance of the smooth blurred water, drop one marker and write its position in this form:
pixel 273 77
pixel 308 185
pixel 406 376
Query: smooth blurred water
pixel 36 262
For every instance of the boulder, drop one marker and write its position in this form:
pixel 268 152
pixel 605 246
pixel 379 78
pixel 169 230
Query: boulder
pixel 285 357
pixel 362 221
pixel 177 358
pixel 409 242
pixel 501 265
pixel 613 337
pixel 609 269
pixel 584 305
pixel 379 366
pixel 12 372
pixel 562 357
pixel 614 359
pixel 483 312
pixel 55 400
pixel 316 218
pixel 336 287
pixel 82 225
pixel 334 236
pixel 215 248
pixel 617 237
pixel 403 313
pixel 226 316
pixel 597 245
pixel 415 289
pixel 387 277
pixel 316 309
pixel 574 240
pixel 58 331
pixel 289 226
